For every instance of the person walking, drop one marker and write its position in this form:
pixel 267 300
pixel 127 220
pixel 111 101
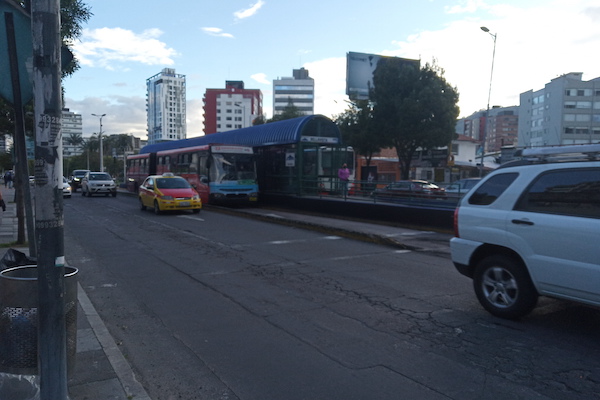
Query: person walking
pixel 344 175
pixel 8 179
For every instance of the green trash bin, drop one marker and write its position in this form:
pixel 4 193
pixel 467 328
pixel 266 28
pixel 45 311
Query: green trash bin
pixel 19 319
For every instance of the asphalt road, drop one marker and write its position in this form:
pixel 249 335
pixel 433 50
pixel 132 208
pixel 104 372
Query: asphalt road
pixel 215 306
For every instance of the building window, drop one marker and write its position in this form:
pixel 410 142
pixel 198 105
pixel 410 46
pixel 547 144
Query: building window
pixel 584 104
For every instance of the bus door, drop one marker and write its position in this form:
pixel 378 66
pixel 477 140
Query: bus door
pixel 201 180
pixel 309 172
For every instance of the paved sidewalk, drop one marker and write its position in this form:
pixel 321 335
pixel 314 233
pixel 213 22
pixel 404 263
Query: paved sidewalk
pixel 101 371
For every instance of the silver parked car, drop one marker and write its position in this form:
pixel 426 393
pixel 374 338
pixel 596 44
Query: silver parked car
pixel 98 183
pixel 462 186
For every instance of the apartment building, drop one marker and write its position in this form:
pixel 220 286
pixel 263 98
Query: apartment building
pixel 299 90
pixel 166 106
pixel 71 130
pixel 565 112
pixel 233 107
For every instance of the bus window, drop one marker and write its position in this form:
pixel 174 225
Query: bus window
pixel 193 167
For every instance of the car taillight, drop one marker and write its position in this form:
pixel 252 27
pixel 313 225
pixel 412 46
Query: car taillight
pixel 456 222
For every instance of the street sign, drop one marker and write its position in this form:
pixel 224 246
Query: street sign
pixel 24 48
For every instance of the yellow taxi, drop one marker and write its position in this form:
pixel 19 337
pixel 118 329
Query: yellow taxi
pixel 168 192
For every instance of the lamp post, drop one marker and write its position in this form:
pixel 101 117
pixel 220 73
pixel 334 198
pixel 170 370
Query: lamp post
pixel 487 112
pixel 100 140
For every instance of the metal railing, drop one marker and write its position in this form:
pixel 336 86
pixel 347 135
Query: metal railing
pixel 374 192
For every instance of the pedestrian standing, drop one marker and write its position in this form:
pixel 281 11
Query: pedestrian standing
pixel 344 175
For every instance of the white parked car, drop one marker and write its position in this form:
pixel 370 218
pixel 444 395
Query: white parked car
pixel 98 183
pixel 532 229
pixel 66 188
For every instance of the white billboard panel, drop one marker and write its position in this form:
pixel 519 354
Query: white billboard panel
pixel 359 73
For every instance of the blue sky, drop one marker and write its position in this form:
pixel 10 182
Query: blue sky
pixel 256 41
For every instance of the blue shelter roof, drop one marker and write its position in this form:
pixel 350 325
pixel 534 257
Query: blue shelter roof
pixel 274 133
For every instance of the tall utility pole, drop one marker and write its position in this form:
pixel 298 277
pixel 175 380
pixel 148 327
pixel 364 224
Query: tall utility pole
pixel 49 221
pixel 100 142
pixel 487 112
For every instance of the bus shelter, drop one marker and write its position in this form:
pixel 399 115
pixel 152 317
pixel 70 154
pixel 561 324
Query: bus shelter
pixel 299 156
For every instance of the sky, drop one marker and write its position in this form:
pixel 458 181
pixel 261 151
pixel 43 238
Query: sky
pixel 256 41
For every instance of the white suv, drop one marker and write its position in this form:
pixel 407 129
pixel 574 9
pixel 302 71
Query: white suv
pixel 532 229
pixel 98 183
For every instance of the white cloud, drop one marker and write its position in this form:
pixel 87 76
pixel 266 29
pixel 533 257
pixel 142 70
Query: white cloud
pixel 109 47
pixel 248 12
pixel 194 118
pixel 330 85
pixel 261 78
pixel 468 6
pixel 123 114
pixel 217 32
pixel 531 49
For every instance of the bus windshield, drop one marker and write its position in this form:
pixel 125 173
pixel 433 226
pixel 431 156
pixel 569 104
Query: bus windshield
pixel 233 167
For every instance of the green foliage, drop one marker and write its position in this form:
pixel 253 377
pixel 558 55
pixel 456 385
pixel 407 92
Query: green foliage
pixel 414 108
pixel 358 129
pixel 6 161
pixel 73 13
pixel 260 120
pixel 290 111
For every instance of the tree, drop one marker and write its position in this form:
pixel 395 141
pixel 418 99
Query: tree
pixel 358 130
pixel 120 143
pixel 415 108
pixel 260 120
pixel 73 14
pixel 74 139
pixel 290 111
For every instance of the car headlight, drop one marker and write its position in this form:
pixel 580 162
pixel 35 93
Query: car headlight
pixel 195 197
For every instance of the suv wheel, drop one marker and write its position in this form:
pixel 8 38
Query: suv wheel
pixel 503 287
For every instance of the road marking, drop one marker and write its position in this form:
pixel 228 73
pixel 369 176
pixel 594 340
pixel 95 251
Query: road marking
pixel 190 217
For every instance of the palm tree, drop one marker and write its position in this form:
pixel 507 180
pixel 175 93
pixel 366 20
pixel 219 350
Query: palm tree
pixel 119 144
pixel 74 139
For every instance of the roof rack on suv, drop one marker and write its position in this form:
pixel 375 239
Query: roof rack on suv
pixel 582 152
pixel 540 155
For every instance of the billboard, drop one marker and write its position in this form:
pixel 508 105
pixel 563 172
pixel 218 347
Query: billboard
pixel 359 73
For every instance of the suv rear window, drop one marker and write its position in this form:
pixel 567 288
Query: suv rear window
pixel 492 188
pixel 574 192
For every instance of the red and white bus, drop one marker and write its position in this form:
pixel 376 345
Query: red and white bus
pixel 220 173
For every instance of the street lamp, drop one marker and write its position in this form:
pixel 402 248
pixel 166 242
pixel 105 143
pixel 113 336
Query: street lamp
pixel 487 112
pixel 100 139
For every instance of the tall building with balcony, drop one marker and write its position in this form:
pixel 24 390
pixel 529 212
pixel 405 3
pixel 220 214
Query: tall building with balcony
pixel 298 90
pixel 72 130
pixel 231 108
pixel 566 111
pixel 166 106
